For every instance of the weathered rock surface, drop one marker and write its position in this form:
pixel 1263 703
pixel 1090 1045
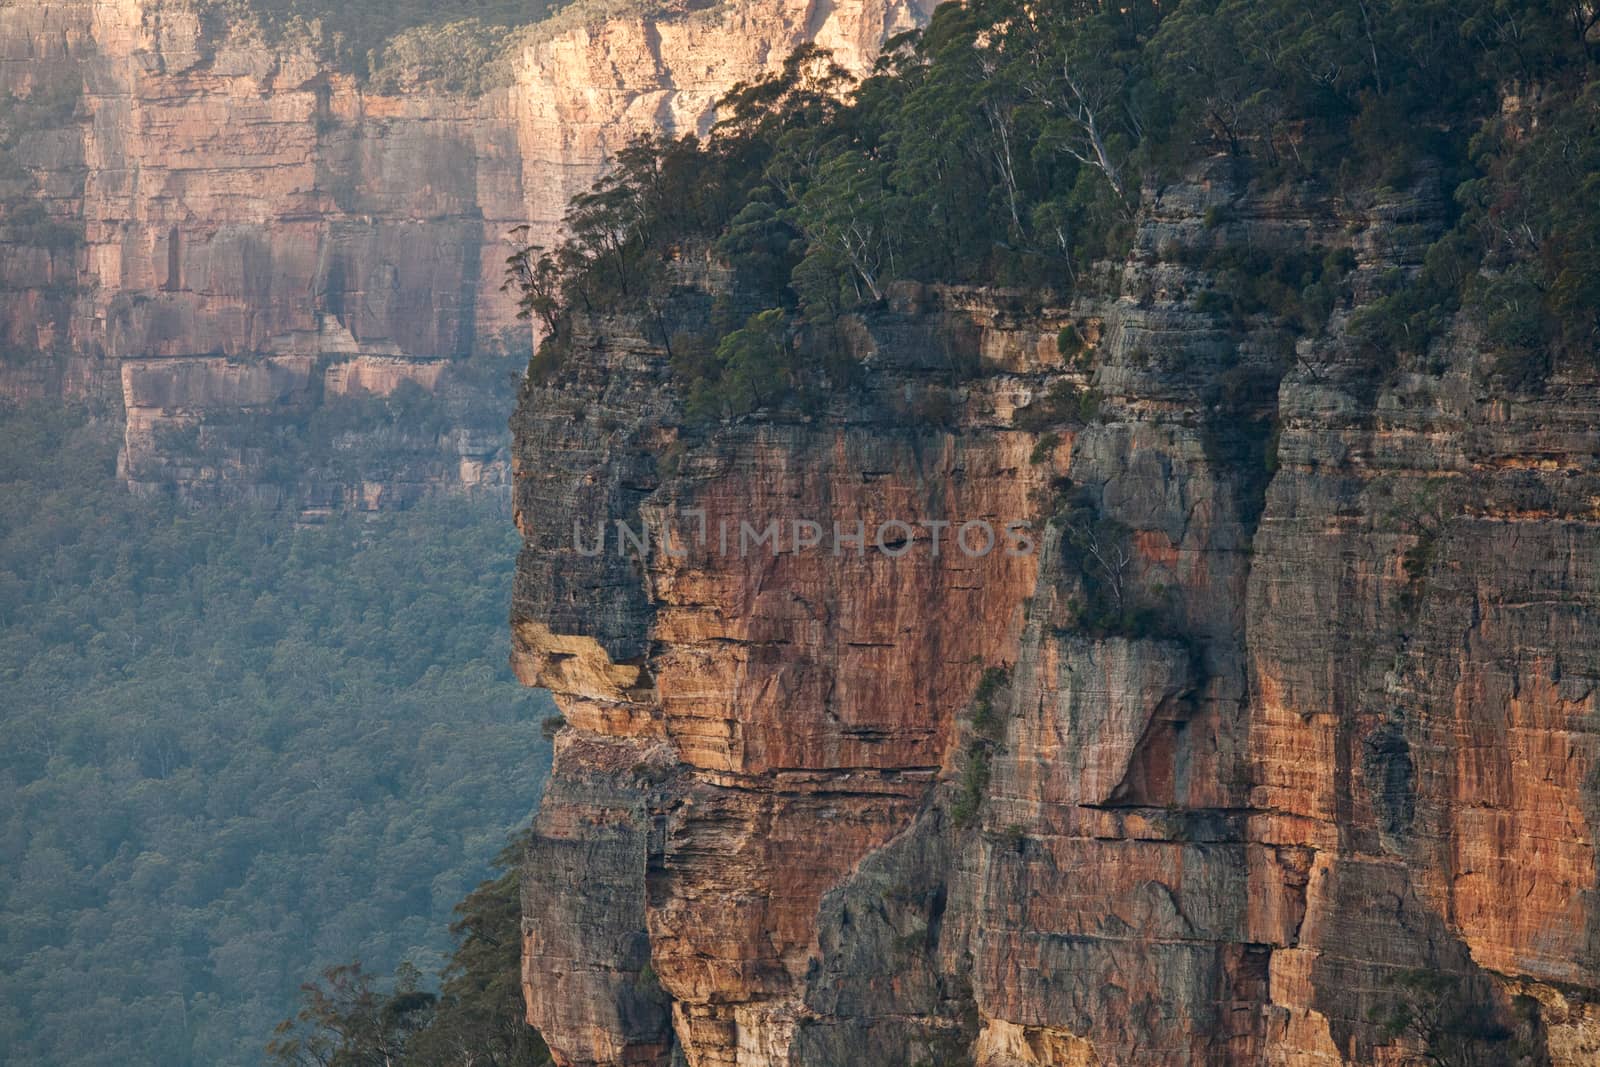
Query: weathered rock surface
pixel 228 203
pixel 1354 735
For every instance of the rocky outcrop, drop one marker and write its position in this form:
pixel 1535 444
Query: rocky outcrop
pixel 1290 701
pixel 231 214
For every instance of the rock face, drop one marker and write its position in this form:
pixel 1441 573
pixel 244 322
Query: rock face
pixel 240 233
pixel 821 806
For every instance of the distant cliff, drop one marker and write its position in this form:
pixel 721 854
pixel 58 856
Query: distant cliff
pixel 230 233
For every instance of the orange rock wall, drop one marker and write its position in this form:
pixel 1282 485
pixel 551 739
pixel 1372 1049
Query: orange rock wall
pixel 1222 836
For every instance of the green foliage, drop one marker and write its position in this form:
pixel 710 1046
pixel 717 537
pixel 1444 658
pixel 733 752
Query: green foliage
pixel 751 360
pixel 1412 314
pixel 748 370
pixel 984 719
pixel 1361 90
pixel 1452 1017
pixel 477 1015
pixel 463 57
pixel 1521 254
pixel 986 730
pixel 1424 517
pixel 1297 288
pixel 1269 454
pixel 1072 346
pixel 1098 555
pixel 1009 144
pixel 761 244
pixel 1417 562
pixel 1537 215
pixel 351 1024
pixel 971 786
pixel 1063 402
pixel 28 222
pixel 238 750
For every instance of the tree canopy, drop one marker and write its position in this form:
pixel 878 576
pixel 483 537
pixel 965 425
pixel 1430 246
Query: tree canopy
pixel 238 750
pixel 1011 143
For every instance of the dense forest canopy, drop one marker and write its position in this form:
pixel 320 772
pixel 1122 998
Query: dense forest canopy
pixel 238 751
pixel 1012 141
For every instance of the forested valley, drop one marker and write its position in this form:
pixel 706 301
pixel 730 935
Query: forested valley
pixel 239 750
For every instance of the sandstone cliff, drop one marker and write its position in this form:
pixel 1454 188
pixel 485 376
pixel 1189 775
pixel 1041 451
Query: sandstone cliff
pixel 817 808
pixel 237 232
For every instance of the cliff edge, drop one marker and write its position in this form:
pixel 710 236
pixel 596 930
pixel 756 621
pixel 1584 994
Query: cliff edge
pixel 907 805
